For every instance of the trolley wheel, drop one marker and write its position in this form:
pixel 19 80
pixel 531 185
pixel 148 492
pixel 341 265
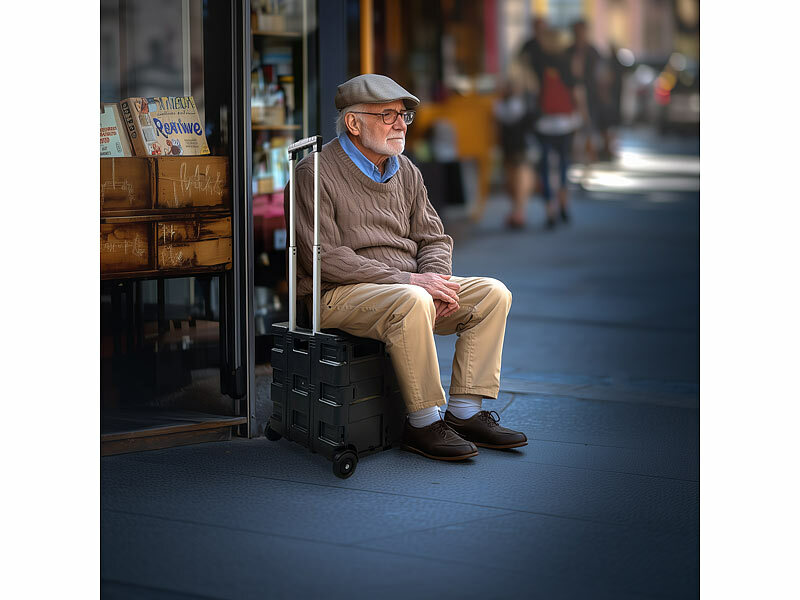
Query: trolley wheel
pixel 344 463
pixel 272 435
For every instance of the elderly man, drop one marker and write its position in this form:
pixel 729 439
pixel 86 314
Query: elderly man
pixel 386 273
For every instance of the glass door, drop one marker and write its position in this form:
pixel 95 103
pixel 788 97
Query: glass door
pixel 175 223
pixel 284 108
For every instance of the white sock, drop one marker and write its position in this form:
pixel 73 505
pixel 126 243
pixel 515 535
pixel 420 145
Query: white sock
pixel 424 417
pixel 464 406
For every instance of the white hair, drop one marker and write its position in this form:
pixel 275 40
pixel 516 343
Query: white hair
pixel 340 124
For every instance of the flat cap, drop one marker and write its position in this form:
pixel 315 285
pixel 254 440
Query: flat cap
pixel 372 89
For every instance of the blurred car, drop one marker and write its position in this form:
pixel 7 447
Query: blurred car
pixel 638 103
pixel 664 92
pixel 676 91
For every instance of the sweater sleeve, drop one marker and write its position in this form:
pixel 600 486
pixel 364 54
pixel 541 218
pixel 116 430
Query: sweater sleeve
pixel 340 264
pixel 434 247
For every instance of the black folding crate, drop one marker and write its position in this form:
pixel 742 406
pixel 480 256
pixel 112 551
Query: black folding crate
pixel 335 394
pixel 332 392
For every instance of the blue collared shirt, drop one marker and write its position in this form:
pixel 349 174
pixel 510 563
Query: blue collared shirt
pixel 365 165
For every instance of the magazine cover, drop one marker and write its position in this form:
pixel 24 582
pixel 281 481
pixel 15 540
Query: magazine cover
pixel 165 126
pixel 113 139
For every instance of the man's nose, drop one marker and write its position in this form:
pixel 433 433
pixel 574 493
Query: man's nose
pixel 400 123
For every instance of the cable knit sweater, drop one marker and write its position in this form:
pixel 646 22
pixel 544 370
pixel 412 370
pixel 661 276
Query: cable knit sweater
pixel 369 232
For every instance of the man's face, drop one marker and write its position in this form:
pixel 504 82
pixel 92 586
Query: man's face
pixel 377 136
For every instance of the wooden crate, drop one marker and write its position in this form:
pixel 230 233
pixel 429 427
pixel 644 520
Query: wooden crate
pixel 125 247
pixel 133 184
pixel 164 214
pixel 126 184
pixel 185 182
pixel 195 243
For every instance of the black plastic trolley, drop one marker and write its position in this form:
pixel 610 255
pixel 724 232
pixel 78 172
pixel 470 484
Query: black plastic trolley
pixel 332 392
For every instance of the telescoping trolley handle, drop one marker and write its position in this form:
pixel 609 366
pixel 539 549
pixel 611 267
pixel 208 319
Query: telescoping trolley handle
pixel 315 144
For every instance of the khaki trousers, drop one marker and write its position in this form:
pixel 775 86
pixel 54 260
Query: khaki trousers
pixel 403 316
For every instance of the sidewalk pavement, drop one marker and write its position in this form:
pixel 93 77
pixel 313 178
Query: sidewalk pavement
pixel 600 369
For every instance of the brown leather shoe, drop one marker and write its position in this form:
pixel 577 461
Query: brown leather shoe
pixel 437 441
pixel 484 430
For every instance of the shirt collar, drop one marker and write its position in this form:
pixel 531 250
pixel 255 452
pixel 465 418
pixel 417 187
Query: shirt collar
pixel 365 165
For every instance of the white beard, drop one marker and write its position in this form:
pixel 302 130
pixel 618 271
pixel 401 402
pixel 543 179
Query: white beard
pixel 385 147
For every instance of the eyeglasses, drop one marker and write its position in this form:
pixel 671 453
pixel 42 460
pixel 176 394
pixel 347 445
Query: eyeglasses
pixel 390 115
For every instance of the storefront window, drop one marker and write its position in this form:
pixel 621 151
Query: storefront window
pixel 166 222
pixel 193 242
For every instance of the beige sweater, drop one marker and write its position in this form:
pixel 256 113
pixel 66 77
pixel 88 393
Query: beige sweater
pixel 369 232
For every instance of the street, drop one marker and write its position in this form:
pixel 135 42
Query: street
pixel 600 369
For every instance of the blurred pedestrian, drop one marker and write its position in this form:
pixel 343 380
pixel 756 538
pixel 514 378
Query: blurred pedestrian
pixel 555 127
pixel 609 87
pixel 515 113
pixel 531 52
pixel 532 56
pixel 586 63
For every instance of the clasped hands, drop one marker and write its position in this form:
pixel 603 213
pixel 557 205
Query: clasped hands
pixel 444 292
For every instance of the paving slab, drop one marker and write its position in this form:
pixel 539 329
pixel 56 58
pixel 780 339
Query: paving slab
pixel 281 508
pixel 498 480
pixel 246 497
pixel 592 556
pixel 147 557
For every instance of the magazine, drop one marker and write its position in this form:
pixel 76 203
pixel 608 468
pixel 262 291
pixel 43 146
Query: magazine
pixel 165 126
pixel 113 139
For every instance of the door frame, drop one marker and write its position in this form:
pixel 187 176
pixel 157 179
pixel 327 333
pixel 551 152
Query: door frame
pixel 240 335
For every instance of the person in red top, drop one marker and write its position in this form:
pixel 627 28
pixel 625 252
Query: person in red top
pixel 559 119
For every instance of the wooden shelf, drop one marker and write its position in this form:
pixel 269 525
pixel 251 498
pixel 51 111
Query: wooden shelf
pixel 281 34
pixel 276 127
pixel 165 273
pixel 161 214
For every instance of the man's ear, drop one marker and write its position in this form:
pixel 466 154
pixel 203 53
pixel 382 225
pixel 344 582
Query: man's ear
pixel 352 124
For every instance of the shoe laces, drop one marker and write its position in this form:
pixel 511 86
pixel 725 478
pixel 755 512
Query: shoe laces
pixel 490 417
pixel 441 427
